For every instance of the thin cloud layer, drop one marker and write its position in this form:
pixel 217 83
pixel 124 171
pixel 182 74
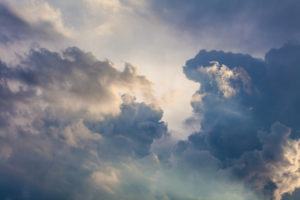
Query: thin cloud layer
pixel 30 24
pixel 247 26
pixel 18 29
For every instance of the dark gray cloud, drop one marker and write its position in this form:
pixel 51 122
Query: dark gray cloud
pixel 250 26
pixel 240 97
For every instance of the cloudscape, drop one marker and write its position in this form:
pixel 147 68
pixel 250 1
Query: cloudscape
pixel 149 100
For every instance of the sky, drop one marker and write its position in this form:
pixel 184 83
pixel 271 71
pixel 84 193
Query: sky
pixel 149 99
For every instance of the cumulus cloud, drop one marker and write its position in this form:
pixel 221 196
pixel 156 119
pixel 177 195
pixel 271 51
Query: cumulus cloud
pixel 75 81
pixel 69 115
pixel 133 131
pixel 234 127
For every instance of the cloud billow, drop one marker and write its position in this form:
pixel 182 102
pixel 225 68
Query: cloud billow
pixel 133 131
pixel 67 122
pixel 249 110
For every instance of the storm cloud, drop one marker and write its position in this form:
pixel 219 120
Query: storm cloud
pixel 249 110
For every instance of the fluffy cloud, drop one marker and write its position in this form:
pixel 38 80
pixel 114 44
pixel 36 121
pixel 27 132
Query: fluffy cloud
pixel 276 166
pixel 64 117
pixel 75 81
pixel 233 127
pixel 133 131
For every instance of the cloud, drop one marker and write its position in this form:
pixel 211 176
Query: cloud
pixel 276 166
pixel 65 117
pixel 106 180
pixel 108 28
pixel 75 81
pixel 56 143
pixel 133 131
pixel 30 24
pixel 219 78
pixel 254 26
pixel 233 127
pixel 38 22
pixel 76 133
pixel 76 127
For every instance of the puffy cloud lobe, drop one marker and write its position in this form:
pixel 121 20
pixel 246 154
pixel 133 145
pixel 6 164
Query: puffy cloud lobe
pixel 233 127
pixel 133 131
pixel 276 166
pixel 77 82
pixel 220 78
